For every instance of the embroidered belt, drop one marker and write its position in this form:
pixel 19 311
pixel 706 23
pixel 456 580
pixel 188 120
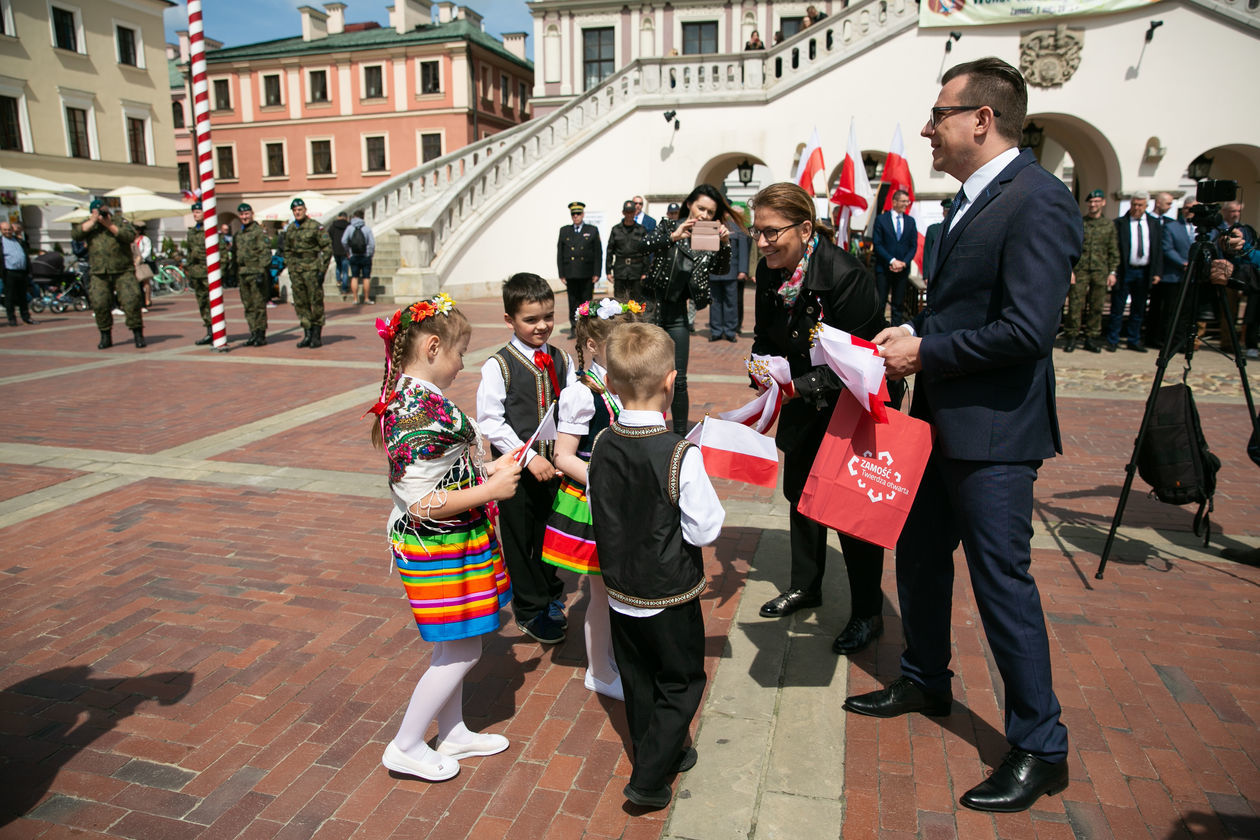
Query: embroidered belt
pixel 653 603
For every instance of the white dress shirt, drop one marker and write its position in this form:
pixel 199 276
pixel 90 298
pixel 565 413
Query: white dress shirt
pixel 492 394
pixel 979 180
pixel 1139 233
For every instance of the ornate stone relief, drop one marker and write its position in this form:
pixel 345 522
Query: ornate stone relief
pixel 1049 57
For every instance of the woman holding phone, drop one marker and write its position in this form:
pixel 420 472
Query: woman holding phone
pixel 680 272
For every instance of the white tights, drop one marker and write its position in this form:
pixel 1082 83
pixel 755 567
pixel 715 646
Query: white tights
pixel 599 655
pixel 439 696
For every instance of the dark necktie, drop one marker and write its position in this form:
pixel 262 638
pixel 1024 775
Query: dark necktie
pixel 544 362
pixel 1138 233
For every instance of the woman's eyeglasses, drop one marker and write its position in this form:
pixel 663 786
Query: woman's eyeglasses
pixel 771 234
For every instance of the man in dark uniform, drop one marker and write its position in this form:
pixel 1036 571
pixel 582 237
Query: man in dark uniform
pixel 578 258
pixel 196 271
pixel 108 242
pixel 626 266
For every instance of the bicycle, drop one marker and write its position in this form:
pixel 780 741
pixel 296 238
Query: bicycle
pixel 169 279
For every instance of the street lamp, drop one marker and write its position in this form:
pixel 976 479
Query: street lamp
pixel 1199 167
pixel 1032 136
pixel 745 171
pixel 871 165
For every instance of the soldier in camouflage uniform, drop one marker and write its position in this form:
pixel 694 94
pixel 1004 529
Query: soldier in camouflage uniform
pixel 307 250
pixel 113 271
pixel 1095 274
pixel 195 269
pixel 252 252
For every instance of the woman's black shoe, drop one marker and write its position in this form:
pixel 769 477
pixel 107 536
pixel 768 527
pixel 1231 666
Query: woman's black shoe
pixel 788 603
pixel 858 634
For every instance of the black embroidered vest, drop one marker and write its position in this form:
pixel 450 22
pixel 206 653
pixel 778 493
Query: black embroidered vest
pixel 529 393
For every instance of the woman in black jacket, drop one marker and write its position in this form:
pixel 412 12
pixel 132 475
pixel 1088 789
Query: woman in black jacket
pixel 680 273
pixel 803 279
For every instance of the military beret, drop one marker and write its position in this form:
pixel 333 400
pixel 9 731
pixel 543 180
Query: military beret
pixel 196 205
pixel 947 204
pixel 242 207
pixel 297 202
pixel 1097 194
pixel 97 203
pixel 628 207
pixel 577 207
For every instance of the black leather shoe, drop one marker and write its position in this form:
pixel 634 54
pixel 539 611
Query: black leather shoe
pixel 788 603
pixel 107 340
pixel 12 321
pixel 1091 346
pixel 26 319
pixel 902 697
pixel 1020 781
pixel 139 336
pixel 306 339
pixel 686 760
pixel 1111 347
pixel 858 634
pixel 1137 347
pixel 653 800
pixel 204 340
pixel 1070 346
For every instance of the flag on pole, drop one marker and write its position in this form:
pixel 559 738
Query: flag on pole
pixel 811 163
pixel 734 451
pixel 853 193
pixel 546 431
pixel 858 364
pixel 897 170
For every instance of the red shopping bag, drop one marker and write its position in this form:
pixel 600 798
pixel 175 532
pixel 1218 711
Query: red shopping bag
pixel 866 474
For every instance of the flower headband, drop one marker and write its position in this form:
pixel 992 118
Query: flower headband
pixel 439 304
pixel 609 308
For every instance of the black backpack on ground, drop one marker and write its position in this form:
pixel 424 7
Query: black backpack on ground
pixel 358 241
pixel 1175 459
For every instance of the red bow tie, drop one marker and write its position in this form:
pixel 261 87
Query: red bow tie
pixel 545 362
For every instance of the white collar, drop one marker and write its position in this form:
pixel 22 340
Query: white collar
pixel 640 417
pixel 423 383
pixel 599 370
pixel 974 186
pixel 525 348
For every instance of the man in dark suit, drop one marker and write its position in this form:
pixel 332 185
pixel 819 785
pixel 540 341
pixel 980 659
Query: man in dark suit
pixel 982 350
pixel 895 243
pixel 1175 240
pixel 641 216
pixel 579 257
pixel 1141 258
pixel 930 236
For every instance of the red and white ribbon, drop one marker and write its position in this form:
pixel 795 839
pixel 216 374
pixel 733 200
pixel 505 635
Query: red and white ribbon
pixel 858 364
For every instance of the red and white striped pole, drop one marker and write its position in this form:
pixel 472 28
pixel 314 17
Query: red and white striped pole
pixel 205 167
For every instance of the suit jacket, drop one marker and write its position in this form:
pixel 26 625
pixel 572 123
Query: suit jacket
pixel 1175 243
pixel 888 247
pixel 649 224
pixel 578 253
pixel 1124 231
pixel 930 238
pixel 993 305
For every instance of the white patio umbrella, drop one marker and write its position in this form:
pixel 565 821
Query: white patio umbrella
pixel 138 205
pixel 11 179
pixel 40 198
pixel 317 205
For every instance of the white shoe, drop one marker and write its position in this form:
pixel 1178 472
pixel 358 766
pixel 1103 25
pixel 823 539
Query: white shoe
pixel 612 689
pixel 116 311
pixel 483 743
pixel 431 771
pixel 1253 353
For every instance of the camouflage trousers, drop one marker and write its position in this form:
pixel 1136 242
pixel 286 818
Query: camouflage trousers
pixel 101 291
pixel 1088 292
pixel 308 295
pixel 254 299
pixel 201 288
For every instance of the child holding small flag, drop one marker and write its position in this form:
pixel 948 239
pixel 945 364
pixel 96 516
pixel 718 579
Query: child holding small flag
pixel 652 506
pixel 586 409
pixel 442 539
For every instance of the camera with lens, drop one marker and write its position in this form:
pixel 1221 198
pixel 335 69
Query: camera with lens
pixel 1211 193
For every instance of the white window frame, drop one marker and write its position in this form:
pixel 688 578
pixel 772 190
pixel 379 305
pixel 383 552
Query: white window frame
pixel 16 88
pixel 263 104
pixel 231 97
pixel 80 43
pixel 6 14
pixel 328 85
pixel 310 157
pixel 420 133
pixel 71 98
pixel 441 66
pixel 214 161
pixel 284 152
pixel 138 111
pixel 139 33
pixel 363 138
pixel 703 15
pixel 363 97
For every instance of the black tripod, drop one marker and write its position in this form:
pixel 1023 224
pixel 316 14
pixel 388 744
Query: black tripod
pixel 1181 341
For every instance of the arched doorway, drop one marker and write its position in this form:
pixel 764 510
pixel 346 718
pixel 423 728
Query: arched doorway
pixel 1235 162
pixel 1075 149
pixel 723 172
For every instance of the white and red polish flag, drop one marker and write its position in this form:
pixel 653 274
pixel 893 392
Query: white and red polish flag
pixel 853 193
pixel 733 450
pixel 811 163
pixel 759 414
pixel 897 176
pixel 858 364
pixel 546 431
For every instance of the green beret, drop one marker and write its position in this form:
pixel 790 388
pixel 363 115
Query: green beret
pixel 242 207
pixel 1097 194
pixel 97 204
pixel 196 205
pixel 297 202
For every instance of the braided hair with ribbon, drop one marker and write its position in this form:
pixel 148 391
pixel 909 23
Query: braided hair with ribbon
pixel 595 321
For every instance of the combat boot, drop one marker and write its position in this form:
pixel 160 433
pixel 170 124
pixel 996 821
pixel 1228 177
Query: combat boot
pixel 306 338
pixel 316 339
pixel 139 334
pixel 107 340
pixel 260 338
pixel 204 340
pixel 252 341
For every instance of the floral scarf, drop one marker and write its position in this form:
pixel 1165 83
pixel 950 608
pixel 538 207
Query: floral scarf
pixel 792 286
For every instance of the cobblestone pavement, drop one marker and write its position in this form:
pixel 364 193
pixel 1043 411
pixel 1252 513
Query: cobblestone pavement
pixel 202 637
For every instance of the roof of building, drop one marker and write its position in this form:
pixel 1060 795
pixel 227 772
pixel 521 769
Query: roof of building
pixel 367 39
pixel 176 75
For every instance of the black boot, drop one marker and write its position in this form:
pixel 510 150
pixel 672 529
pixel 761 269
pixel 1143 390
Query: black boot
pixel 316 339
pixel 252 341
pixel 208 338
pixel 306 338
pixel 107 340
pixel 260 338
pixel 139 334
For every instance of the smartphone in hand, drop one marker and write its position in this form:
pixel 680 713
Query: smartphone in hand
pixel 704 236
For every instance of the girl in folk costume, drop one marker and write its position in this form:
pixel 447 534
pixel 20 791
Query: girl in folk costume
pixel 440 531
pixel 586 409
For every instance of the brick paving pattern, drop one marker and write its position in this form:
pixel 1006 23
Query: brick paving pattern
pixel 202 635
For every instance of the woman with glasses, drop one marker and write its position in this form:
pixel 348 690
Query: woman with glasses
pixel 803 278
pixel 680 273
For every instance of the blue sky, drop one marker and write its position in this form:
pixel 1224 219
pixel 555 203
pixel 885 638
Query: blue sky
pixel 267 20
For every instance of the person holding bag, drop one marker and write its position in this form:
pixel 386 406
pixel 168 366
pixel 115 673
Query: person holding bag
pixel 803 279
pixel 680 272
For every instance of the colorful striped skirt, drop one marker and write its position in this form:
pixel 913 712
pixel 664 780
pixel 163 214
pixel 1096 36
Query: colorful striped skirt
pixel 570 539
pixel 454 576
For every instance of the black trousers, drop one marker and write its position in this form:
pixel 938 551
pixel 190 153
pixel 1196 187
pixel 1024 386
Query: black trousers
pixel 578 290
pixel 863 561
pixel 16 286
pixel 522 523
pixel 894 283
pixel 661 660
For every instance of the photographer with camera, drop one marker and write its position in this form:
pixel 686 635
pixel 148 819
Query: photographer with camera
pixel 1240 266
pixel 108 243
